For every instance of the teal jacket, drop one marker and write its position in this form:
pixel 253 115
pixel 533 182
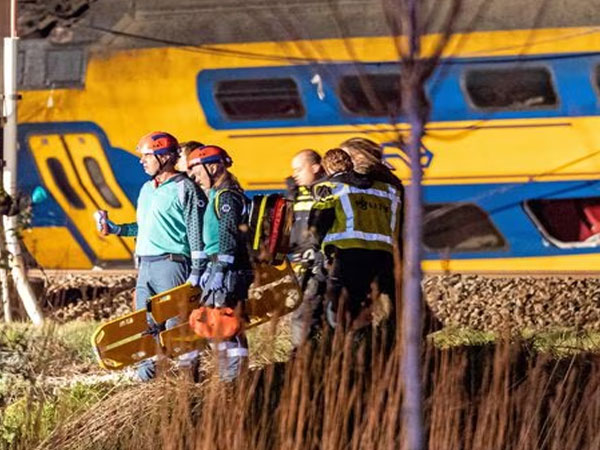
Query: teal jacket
pixel 224 237
pixel 169 219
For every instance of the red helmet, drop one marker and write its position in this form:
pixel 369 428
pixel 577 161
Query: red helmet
pixel 157 143
pixel 207 155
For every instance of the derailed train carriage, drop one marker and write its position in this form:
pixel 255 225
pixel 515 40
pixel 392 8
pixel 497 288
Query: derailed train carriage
pixel 511 153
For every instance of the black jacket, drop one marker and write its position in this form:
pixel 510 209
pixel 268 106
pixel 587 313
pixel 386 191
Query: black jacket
pixel 303 199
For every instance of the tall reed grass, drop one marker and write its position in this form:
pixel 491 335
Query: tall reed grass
pixel 345 392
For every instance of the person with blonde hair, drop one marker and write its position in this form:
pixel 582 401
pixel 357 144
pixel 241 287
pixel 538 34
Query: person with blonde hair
pixel 367 158
pixel 356 219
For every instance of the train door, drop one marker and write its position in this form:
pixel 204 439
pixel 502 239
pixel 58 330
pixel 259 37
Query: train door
pixel 98 178
pixel 74 168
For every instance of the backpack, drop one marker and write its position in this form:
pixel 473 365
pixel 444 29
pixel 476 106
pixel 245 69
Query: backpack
pixel 270 225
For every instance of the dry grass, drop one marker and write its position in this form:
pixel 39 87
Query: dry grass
pixel 346 393
pixel 341 392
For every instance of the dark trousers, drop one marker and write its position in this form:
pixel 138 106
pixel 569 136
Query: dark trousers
pixel 307 318
pixel 354 276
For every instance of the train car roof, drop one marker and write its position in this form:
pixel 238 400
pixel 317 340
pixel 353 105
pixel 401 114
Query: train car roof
pixel 121 24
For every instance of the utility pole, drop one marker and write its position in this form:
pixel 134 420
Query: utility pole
pixel 15 258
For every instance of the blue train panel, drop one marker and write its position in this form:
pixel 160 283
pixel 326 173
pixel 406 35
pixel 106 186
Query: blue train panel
pixel 571 79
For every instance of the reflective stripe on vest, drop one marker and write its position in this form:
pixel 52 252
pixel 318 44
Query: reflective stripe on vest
pixel 343 192
pixel 303 206
pixel 304 200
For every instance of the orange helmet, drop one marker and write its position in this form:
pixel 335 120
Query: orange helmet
pixel 157 143
pixel 207 155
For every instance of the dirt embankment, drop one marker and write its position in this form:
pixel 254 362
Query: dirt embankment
pixel 67 297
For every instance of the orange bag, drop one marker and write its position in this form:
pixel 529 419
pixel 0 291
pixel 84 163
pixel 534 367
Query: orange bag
pixel 215 323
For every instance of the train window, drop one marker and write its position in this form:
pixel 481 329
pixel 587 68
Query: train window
pixel 372 94
pixel 516 88
pixel 21 68
pixel 60 178
pixel 64 67
pixel 457 227
pixel 572 222
pixel 597 77
pixel 260 99
pixel 95 173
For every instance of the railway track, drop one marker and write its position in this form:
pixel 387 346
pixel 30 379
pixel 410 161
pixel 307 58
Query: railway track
pixel 36 273
pixel 95 273
pixel 521 274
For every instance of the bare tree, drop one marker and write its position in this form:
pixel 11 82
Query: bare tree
pixel 408 23
pixel 13 246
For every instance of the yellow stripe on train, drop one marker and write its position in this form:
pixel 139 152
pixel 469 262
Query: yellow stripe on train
pixel 582 263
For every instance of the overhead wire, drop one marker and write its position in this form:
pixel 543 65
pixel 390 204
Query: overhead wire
pixel 463 59
pixel 197 48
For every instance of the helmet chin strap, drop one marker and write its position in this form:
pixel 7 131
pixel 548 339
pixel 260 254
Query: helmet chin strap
pixel 161 165
pixel 213 178
pixel 209 175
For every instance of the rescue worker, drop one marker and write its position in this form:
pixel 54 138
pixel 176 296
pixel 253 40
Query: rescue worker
pixel 305 254
pixel 229 274
pixel 367 159
pixel 184 150
pixel 357 220
pixel 168 231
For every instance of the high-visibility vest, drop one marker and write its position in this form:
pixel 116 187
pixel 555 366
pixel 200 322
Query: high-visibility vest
pixel 304 199
pixel 301 239
pixel 364 217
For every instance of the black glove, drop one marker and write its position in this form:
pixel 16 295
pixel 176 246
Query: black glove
pixel 291 188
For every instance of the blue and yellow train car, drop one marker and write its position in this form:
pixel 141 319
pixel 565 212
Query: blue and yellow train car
pixel 511 153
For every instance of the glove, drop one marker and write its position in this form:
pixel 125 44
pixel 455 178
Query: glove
pixel 104 225
pixel 194 278
pixel 199 266
pixel 205 276
pixel 214 294
pixel 217 277
pixel 312 260
pixel 216 281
